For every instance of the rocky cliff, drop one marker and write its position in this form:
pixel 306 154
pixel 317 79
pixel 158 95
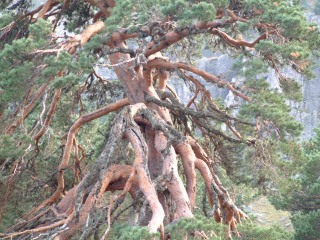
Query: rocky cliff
pixel 307 111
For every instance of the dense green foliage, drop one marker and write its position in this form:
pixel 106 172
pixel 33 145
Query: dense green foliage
pixel 300 193
pixel 201 227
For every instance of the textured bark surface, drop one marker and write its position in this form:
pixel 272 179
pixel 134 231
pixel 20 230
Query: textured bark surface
pixel 145 122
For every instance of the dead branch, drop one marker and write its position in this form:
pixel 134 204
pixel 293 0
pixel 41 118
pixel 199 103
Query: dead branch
pixel 27 109
pixel 49 117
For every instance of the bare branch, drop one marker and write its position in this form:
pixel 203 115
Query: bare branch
pixel 50 114
pixel 158 63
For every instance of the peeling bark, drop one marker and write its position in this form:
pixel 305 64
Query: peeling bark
pixel 174 183
pixel 146 186
pixel 188 160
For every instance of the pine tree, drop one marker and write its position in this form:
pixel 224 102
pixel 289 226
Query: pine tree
pixel 52 91
pixel 301 193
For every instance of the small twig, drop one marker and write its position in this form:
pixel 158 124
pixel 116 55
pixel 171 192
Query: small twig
pixel 122 211
pixel 104 237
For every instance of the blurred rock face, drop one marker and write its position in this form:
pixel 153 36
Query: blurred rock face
pixel 307 111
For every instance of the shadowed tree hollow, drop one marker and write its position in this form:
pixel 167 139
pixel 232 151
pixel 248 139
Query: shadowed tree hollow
pixel 153 147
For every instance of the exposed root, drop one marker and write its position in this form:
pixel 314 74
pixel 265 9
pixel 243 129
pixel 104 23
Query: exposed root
pixel 79 202
pixel 188 160
pixel 224 209
pixel 164 134
pixel 77 169
pixel 68 147
pixel 140 165
pixel 155 140
pixel 116 177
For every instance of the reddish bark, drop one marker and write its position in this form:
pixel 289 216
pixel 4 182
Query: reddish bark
pixel 45 8
pixel 71 47
pixel 68 147
pixel 174 184
pixel 101 5
pixel 133 83
pixel 212 27
pixel 226 207
pixel 76 169
pixel 90 31
pixel 115 179
pixel 160 63
pixel 146 186
pixel 175 36
pixel 235 42
pixel 163 78
pixel 202 88
pixel 188 159
pixel 137 83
